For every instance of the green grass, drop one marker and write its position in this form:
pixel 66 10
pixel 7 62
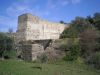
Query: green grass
pixel 16 67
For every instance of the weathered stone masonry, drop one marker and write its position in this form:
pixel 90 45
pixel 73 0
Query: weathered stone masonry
pixel 32 28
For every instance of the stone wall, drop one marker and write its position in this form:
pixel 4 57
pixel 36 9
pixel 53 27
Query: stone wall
pixel 33 28
pixel 31 51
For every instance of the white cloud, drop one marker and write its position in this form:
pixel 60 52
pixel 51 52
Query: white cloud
pixel 75 1
pixel 29 7
pixel 7 22
pixel 16 9
pixel 64 3
pixel 54 4
pixel 50 5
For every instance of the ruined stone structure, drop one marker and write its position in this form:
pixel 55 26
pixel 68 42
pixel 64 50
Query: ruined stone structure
pixel 31 51
pixel 32 28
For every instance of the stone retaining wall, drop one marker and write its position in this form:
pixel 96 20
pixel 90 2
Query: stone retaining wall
pixel 31 51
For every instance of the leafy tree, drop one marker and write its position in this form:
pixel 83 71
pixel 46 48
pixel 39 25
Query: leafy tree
pixel 97 20
pixel 96 16
pixel 6 44
pixel 62 22
pixel 10 30
pixel 88 41
pixel 74 52
pixel 76 27
pixel 90 19
pixel 95 60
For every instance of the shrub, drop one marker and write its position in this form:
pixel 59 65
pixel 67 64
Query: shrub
pixel 95 60
pixel 10 54
pixel 88 42
pixel 54 55
pixel 6 57
pixel 73 53
pixel 43 58
pixel 6 44
pixel 19 56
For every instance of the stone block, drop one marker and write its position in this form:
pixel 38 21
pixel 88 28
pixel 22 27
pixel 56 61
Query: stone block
pixel 31 51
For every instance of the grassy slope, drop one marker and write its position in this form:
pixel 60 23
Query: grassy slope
pixel 15 67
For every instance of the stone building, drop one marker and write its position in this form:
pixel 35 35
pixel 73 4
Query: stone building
pixel 32 28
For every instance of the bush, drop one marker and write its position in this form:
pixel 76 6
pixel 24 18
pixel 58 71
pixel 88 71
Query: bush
pixel 6 44
pixel 10 54
pixel 6 57
pixel 74 53
pixel 89 42
pixel 43 58
pixel 95 60
pixel 19 56
pixel 54 55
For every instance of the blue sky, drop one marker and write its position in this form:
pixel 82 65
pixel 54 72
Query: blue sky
pixel 52 10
